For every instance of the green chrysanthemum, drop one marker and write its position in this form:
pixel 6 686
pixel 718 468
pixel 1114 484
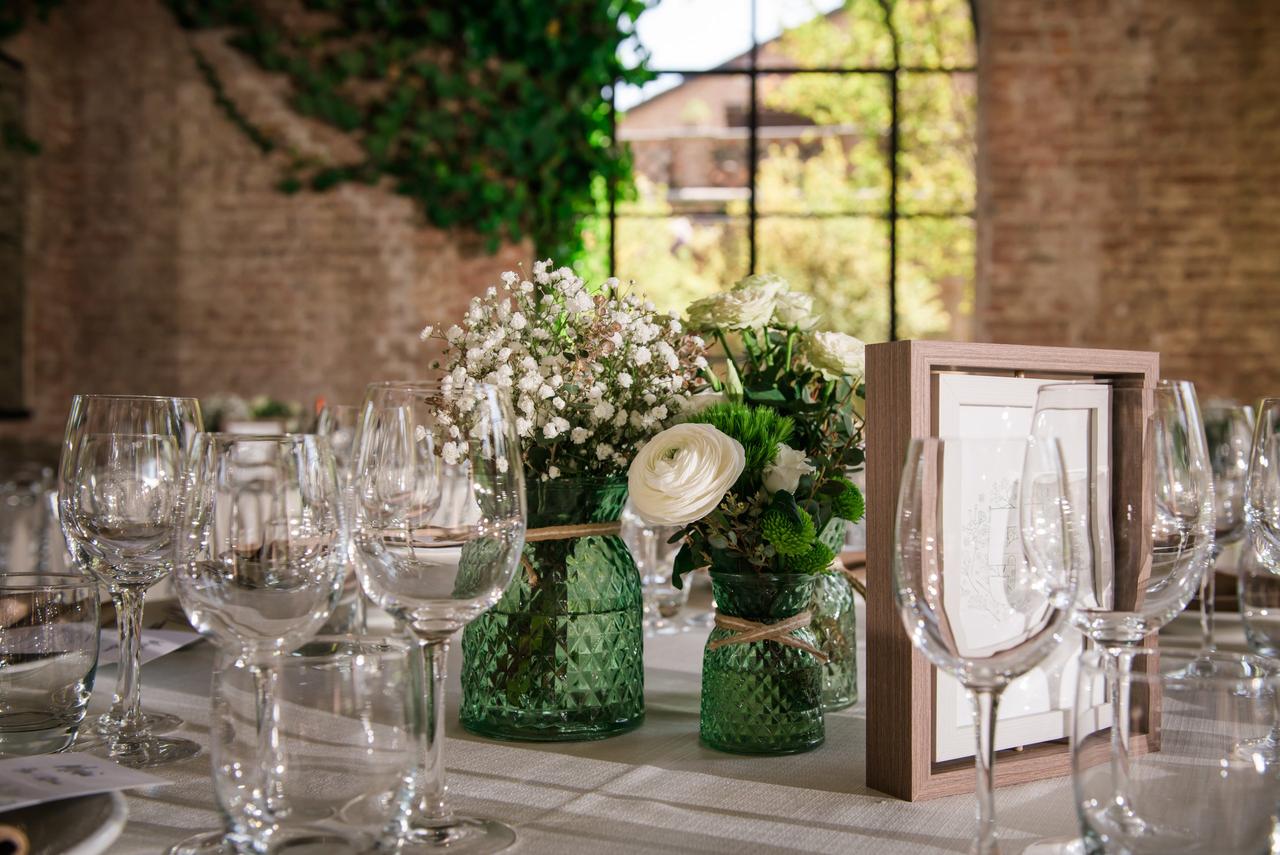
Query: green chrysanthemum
pixel 849 504
pixel 813 560
pixel 789 535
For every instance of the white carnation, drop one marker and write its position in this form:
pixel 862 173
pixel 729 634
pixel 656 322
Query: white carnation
pixel 683 473
pixel 748 308
pixel 768 282
pixel 794 310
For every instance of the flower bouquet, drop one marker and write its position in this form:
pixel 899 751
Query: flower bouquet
pixel 754 511
pixel 776 359
pixel 592 376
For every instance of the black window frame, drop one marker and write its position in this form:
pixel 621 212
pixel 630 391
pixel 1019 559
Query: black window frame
pixel 893 215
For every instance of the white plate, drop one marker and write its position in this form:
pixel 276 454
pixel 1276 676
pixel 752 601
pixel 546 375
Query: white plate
pixel 86 825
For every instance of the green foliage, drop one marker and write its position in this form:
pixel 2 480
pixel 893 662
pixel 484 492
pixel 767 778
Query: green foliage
pixel 490 116
pixel 759 429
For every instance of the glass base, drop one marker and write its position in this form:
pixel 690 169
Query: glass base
pixel 761 750
pixel 509 730
pixel 461 834
pixel 297 841
pixel 145 752
pixel 108 725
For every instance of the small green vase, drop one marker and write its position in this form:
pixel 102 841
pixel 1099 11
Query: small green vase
pixel 761 697
pixel 560 657
pixel 835 625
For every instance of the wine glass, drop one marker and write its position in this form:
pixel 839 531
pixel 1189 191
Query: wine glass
pixel 119 483
pixel 338 424
pixel 1141 490
pixel 440 521
pixel 261 557
pixel 983 606
pixel 1229 435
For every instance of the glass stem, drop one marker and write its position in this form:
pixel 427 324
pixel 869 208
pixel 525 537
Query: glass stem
pixel 985 703
pixel 265 679
pixel 1207 590
pixel 1120 683
pixel 126 704
pixel 430 808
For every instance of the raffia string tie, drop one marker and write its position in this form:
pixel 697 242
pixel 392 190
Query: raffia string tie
pixel 568 532
pixel 746 631
pixel 564 532
pixel 859 587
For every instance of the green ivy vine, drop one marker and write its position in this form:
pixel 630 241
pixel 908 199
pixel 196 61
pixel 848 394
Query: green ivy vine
pixel 489 115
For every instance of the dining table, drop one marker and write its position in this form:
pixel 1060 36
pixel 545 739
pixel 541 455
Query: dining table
pixel 655 789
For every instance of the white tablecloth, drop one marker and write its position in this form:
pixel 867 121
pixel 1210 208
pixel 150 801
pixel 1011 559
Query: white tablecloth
pixel 655 789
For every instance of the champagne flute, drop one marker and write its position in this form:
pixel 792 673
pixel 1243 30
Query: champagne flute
pixel 981 608
pixel 1142 494
pixel 440 521
pixel 1229 433
pixel 119 483
pixel 338 423
pixel 261 558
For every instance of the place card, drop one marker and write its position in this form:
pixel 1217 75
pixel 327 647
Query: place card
pixel 26 781
pixel 155 643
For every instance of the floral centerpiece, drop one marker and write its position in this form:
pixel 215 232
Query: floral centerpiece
pixel 753 511
pixel 592 374
pixel 777 359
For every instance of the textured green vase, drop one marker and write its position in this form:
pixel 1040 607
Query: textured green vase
pixel 761 697
pixel 560 657
pixel 835 626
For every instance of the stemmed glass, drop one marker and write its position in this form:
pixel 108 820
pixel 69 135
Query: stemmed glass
pixel 982 605
pixel 338 423
pixel 1229 435
pixel 261 557
pixel 1141 490
pixel 119 483
pixel 440 521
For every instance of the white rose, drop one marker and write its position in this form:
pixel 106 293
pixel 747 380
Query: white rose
pixel 785 470
pixel 770 282
pixel 794 310
pixel 749 308
pixel 683 473
pixel 835 354
pixel 697 403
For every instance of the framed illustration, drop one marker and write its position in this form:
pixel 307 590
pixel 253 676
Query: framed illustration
pixel 922 743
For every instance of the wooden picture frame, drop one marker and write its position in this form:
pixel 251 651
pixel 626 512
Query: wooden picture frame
pixel 901 404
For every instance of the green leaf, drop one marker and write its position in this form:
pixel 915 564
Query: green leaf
pixel 684 564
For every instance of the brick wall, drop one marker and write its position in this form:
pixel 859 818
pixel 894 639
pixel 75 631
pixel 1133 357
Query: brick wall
pixel 161 259
pixel 1129 182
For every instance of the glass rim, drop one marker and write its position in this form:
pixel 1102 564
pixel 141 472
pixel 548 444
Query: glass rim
pixel 104 397
pixel 1161 383
pixel 45 581
pixel 408 385
pixel 222 436
pixel 1096 661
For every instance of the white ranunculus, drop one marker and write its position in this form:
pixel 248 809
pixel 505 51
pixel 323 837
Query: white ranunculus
pixel 769 282
pixel 836 354
pixel 683 473
pixel 786 469
pixel 748 308
pixel 794 310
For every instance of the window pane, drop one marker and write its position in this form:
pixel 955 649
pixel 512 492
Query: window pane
pixel 692 34
pixel 935 277
pixel 823 144
pixel 937 119
pixel 935 33
pixel 824 34
pixel 676 260
pixel 842 261
pixel 690 148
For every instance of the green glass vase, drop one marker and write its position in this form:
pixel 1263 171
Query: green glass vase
pixel 835 626
pixel 560 657
pixel 761 697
